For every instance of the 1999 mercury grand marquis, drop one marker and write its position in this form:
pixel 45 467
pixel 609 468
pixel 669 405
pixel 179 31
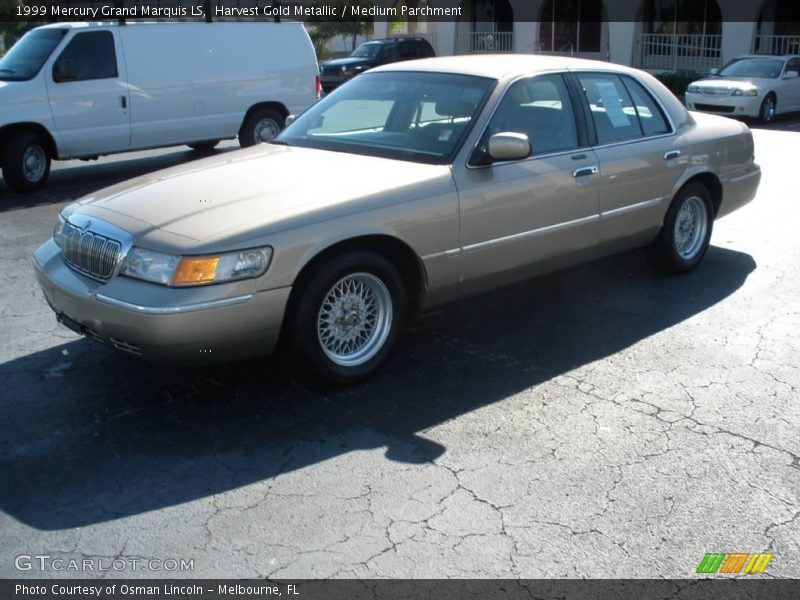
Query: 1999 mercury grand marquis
pixel 410 186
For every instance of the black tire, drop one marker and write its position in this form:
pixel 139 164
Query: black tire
pixel 17 166
pixel 766 113
pixel 307 303
pixel 207 146
pixel 256 127
pixel 665 252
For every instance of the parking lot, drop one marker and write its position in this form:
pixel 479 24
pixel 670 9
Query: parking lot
pixel 605 421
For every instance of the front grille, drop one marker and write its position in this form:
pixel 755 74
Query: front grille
pixel 714 108
pixel 716 91
pixel 91 253
pixel 332 71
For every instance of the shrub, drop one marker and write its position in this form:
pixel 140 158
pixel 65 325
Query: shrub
pixel 677 81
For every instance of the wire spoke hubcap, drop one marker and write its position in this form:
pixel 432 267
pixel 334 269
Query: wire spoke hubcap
pixel 34 162
pixel 355 319
pixel 690 228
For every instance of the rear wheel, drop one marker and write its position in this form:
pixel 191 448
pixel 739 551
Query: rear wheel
pixel 348 315
pixel 767 111
pixel 207 146
pixel 26 162
pixel 684 237
pixel 260 126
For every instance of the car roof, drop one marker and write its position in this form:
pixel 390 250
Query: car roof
pixel 781 56
pixel 500 66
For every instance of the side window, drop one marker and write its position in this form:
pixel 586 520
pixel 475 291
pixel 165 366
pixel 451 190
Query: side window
pixel 88 56
pixel 611 106
pixel 650 116
pixel 408 50
pixel 540 108
pixel 390 54
pixel 424 50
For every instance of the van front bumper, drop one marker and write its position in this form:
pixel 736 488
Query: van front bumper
pixel 216 323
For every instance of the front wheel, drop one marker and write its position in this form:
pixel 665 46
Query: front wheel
pixel 767 111
pixel 348 316
pixel 684 237
pixel 26 162
pixel 260 126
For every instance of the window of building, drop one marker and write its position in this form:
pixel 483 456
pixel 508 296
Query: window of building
pixel 571 26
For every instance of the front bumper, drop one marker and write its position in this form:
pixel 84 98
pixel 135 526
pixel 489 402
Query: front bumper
pixel 216 323
pixel 732 106
pixel 331 82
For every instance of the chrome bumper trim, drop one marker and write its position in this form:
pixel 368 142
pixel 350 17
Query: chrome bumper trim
pixel 168 310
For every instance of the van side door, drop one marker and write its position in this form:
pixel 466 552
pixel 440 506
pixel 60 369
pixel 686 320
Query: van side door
pixel 88 92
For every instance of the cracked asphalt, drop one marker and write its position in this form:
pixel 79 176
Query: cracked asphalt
pixel 605 421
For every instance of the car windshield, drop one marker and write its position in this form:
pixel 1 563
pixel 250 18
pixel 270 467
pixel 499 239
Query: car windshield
pixel 368 50
pixel 765 68
pixel 27 56
pixel 420 117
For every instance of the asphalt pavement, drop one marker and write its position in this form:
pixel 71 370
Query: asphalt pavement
pixel 605 421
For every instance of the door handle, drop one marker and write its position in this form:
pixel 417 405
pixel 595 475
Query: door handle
pixel 672 154
pixel 124 101
pixel 580 172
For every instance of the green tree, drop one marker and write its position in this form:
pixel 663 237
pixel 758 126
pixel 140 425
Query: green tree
pixel 322 29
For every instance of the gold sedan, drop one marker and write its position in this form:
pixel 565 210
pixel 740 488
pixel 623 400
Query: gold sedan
pixel 411 186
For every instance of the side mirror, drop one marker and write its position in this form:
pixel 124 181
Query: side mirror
pixel 290 119
pixel 508 145
pixel 714 71
pixel 64 70
pixel 791 75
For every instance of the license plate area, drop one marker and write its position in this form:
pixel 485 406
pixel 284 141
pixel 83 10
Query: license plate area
pixel 71 324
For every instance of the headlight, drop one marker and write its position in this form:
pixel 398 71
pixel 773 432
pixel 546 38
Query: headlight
pixel 693 89
pixel 344 68
pixel 170 269
pixel 58 231
pixel 745 92
pixel 149 265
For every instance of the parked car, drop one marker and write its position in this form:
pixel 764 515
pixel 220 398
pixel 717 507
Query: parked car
pixel 431 180
pixel 372 54
pixel 80 90
pixel 749 86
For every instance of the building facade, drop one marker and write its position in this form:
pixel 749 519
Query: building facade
pixel 658 35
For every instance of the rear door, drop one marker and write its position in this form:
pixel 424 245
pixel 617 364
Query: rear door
pixel 639 153
pixel 88 93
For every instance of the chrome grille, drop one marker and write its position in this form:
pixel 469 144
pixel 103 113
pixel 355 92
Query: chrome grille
pixel 717 91
pixel 91 253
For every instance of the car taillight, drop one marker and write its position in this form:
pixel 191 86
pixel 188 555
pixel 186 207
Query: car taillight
pixel 318 86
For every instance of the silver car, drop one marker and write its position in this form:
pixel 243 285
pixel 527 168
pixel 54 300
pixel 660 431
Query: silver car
pixel 749 86
pixel 411 186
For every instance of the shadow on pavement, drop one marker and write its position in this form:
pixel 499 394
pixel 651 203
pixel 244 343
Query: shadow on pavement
pixel 90 435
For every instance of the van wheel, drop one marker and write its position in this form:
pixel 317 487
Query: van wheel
pixel 348 316
pixel 262 125
pixel 684 237
pixel 26 162
pixel 204 146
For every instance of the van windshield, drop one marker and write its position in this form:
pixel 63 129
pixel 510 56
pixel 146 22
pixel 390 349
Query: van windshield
pixel 27 56
pixel 420 117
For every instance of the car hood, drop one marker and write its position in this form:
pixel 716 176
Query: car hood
pixel 351 62
pixel 260 190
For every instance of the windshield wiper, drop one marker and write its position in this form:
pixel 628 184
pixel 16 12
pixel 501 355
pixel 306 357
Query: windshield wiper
pixel 280 142
pixel 8 71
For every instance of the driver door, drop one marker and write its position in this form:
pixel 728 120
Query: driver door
pixel 88 91
pixel 515 214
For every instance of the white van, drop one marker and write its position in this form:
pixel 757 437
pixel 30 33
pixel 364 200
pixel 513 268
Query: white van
pixel 80 90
